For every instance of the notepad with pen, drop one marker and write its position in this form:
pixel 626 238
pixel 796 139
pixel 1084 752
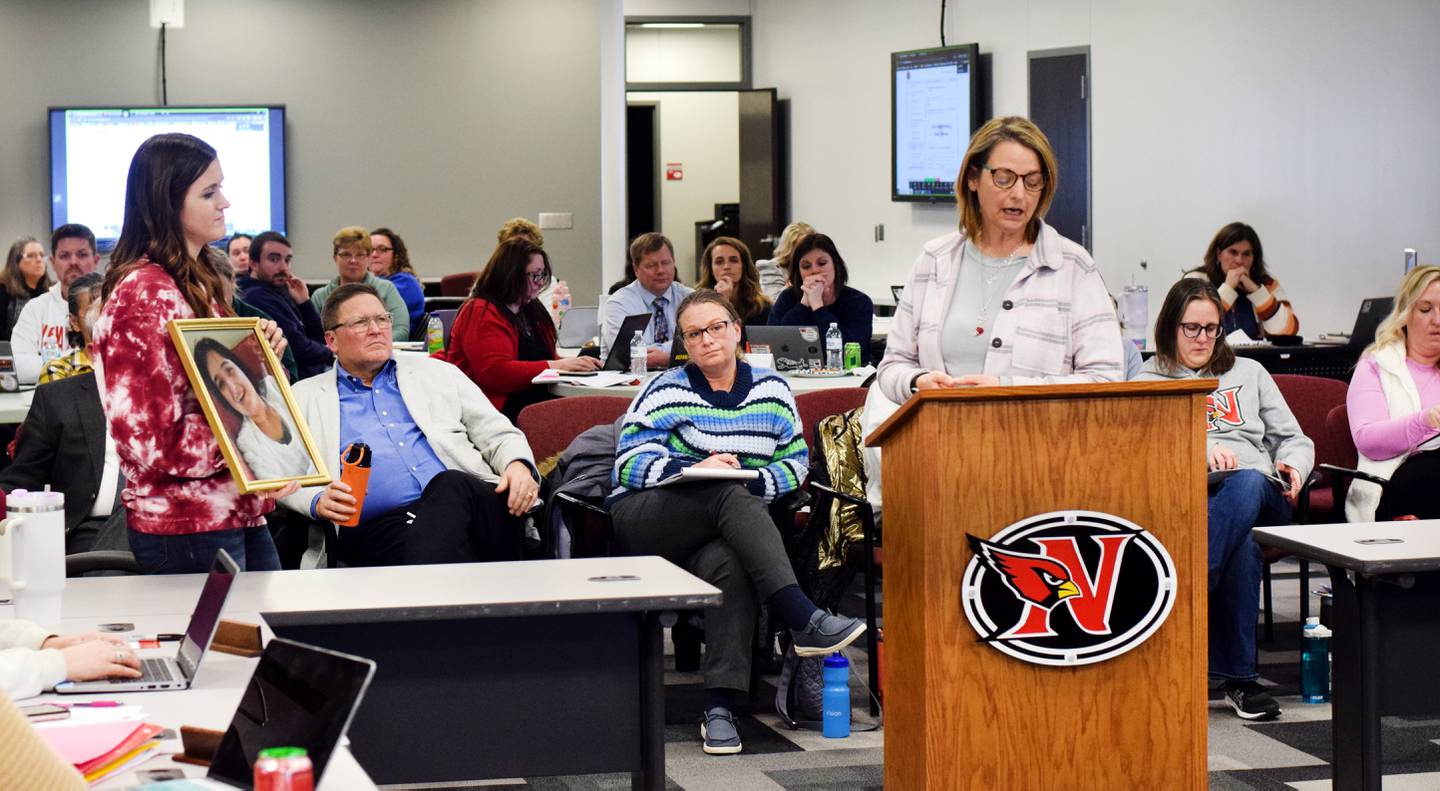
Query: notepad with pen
pixel 694 474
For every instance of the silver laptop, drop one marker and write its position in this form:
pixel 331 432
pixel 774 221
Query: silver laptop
pixel 794 347
pixel 177 673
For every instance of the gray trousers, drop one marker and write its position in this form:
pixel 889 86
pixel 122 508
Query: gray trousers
pixel 724 535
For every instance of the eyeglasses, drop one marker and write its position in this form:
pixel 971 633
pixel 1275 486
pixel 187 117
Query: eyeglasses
pixel 344 256
pixel 382 250
pixel 541 279
pixel 714 330
pixel 378 322
pixel 1212 331
pixel 1004 178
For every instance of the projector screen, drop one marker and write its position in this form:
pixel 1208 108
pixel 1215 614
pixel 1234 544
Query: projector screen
pixel 91 148
pixel 934 109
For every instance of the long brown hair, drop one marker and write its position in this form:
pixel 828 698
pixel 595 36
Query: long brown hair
pixel 749 299
pixel 161 173
pixel 503 282
pixel 10 277
pixel 1167 324
pixel 1234 233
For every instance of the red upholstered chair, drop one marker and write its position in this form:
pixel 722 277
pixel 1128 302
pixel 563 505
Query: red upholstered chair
pixel 818 404
pixel 550 426
pixel 457 285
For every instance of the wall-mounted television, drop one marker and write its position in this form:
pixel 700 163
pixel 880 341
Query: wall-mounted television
pixel 91 149
pixel 934 108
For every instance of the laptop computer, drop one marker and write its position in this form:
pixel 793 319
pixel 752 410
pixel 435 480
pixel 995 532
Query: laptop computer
pixel 619 357
pixel 793 347
pixel 177 673
pixel 299 696
pixel 1372 312
pixel 578 326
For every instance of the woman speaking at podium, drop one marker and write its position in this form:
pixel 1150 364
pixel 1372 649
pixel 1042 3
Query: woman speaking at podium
pixel 1004 299
pixel 1257 457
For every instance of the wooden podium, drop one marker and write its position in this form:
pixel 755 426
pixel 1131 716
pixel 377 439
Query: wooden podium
pixel 960 713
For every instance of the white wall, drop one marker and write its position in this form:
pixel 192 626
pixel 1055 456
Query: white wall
pixel 440 119
pixel 700 130
pixel 1314 121
pixel 707 54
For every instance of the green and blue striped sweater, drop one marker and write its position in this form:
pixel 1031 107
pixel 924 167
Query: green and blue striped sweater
pixel 678 420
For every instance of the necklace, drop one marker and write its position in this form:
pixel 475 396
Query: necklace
pixel 988 293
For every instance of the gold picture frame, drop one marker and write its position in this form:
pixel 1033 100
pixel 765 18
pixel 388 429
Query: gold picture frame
pixel 261 432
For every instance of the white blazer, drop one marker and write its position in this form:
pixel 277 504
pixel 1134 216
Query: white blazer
pixel 461 425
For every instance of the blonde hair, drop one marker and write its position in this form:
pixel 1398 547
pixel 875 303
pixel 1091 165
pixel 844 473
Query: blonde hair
pixel 519 226
pixel 1392 328
pixel 1015 129
pixel 350 234
pixel 793 233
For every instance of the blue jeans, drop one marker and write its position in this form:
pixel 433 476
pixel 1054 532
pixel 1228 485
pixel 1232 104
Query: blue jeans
pixel 193 553
pixel 1244 500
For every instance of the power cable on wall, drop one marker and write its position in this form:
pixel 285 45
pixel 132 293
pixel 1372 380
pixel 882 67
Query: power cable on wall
pixel 164 86
pixel 942 23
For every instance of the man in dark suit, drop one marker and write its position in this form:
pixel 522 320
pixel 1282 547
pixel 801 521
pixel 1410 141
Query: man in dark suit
pixel 62 443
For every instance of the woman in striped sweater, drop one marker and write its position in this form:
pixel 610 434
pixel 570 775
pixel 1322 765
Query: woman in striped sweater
pixel 1253 300
pixel 719 413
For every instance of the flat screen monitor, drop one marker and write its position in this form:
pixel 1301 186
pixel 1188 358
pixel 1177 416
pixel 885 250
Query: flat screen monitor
pixel 934 109
pixel 91 149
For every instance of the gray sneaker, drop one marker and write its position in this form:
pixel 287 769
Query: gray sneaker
pixel 826 634
pixel 717 728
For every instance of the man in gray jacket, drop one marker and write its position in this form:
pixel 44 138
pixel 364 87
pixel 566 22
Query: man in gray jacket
pixel 451 479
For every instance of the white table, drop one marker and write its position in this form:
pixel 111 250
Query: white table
pixel 798 385
pixel 15 406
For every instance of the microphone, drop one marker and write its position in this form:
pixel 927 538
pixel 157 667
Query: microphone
pixel 355 472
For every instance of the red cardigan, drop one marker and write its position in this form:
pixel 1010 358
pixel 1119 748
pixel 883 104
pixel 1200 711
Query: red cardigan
pixel 484 344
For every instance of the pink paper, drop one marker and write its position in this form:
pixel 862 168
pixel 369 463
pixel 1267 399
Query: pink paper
pixel 87 742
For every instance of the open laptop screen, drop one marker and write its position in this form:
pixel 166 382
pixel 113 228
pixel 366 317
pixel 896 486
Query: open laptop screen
pixel 206 617
pixel 299 696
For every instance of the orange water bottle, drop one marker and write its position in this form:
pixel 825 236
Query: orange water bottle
pixel 355 472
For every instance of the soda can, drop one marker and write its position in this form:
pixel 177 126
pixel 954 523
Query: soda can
pixel 284 769
pixel 852 355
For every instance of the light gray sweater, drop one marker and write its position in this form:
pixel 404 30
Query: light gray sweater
pixel 1248 415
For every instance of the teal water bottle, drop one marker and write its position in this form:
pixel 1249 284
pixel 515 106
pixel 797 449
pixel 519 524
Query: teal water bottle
pixel 835 698
pixel 1315 662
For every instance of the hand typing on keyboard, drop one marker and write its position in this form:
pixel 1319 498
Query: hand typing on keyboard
pixel 96 659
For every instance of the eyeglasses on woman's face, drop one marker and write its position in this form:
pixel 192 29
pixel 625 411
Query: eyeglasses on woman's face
pixel 1189 330
pixel 541 278
pixel 1004 178
pixel 716 330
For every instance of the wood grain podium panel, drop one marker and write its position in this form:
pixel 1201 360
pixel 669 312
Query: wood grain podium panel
pixel 963 715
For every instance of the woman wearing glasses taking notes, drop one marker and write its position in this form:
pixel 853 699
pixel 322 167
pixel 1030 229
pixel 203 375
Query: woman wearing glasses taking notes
pixel 1258 459
pixel 1005 299
pixel 181 504
pixel 503 337
pixel 718 413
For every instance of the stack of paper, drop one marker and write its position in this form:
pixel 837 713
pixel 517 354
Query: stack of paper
pixel 596 379
pixel 104 748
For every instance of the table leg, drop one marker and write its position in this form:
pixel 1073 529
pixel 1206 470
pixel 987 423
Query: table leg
pixel 1355 698
pixel 651 776
pixel 1370 749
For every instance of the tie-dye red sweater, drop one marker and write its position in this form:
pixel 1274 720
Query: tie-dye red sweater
pixel 176 478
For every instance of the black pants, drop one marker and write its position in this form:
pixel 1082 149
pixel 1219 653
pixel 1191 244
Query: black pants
pixel 724 535
pixel 1412 490
pixel 458 519
pixel 98 533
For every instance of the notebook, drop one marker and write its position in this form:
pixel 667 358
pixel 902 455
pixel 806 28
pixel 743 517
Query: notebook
pixel 177 673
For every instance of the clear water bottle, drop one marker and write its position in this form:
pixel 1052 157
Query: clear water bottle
pixel 560 300
pixel 834 348
pixel 1315 662
pixel 434 335
pixel 637 354
pixel 835 697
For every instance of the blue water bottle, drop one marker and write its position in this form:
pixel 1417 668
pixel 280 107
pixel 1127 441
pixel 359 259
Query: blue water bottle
pixel 1315 662
pixel 835 700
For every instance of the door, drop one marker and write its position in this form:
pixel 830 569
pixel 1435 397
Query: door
pixel 762 196
pixel 1060 106
pixel 642 169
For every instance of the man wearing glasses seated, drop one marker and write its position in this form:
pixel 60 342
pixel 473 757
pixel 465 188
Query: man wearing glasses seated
pixel 351 247
pixel 451 479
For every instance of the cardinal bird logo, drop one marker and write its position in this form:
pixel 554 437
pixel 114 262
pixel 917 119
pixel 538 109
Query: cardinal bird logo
pixel 1067 588
pixel 1034 578
pixel 1223 406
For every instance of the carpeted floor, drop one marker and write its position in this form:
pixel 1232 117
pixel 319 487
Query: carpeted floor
pixel 1292 752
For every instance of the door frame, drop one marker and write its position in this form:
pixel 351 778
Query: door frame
pixel 1087 86
pixel 657 161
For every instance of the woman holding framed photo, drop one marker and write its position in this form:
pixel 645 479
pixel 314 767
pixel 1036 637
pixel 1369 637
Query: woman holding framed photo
pixel 181 503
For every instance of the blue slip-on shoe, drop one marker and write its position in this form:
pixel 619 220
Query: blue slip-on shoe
pixel 826 634
pixel 717 728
